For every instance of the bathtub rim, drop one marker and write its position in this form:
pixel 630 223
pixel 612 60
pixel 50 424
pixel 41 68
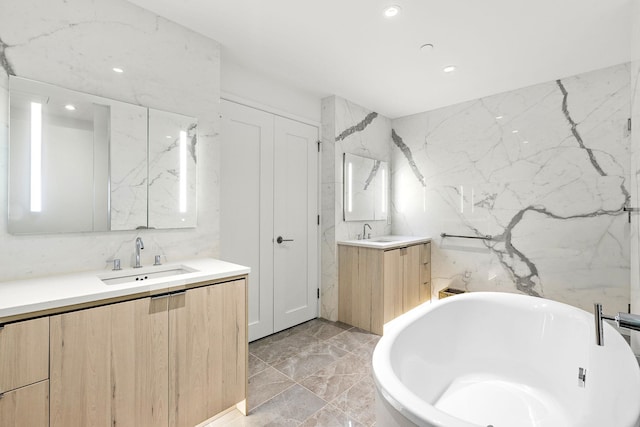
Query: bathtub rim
pixel 413 408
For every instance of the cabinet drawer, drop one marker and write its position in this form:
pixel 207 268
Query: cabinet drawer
pixel 24 347
pixel 26 406
pixel 425 272
pixel 425 253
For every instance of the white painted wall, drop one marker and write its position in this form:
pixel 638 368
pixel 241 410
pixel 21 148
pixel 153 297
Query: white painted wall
pixel 282 98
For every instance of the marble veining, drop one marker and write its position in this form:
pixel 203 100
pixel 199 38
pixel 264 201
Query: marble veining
pixel 372 175
pixel 4 61
pixel 543 169
pixel 397 140
pixel 359 127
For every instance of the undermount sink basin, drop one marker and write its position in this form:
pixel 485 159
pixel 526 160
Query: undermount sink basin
pixel 384 240
pixel 128 276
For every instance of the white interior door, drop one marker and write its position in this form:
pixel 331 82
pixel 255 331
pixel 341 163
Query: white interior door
pixel 295 223
pixel 246 206
pixel 269 188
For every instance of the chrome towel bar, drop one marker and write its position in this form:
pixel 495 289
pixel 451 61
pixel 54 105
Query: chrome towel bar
pixel 487 237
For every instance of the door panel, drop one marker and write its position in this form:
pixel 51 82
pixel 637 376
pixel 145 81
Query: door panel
pixel 246 213
pixel 295 218
pixel 269 188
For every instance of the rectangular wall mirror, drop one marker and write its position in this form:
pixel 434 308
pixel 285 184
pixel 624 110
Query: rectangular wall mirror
pixel 79 162
pixel 365 188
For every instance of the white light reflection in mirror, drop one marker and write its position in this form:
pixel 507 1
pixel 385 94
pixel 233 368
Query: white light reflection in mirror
pixel 36 157
pixel 183 171
pixel 350 187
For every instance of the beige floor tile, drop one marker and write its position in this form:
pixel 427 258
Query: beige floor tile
pixel 330 382
pixel 358 402
pixel 330 416
pixel 310 360
pixel 351 339
pixel 265 385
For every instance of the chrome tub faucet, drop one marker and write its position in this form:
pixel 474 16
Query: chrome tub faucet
pixel 623 320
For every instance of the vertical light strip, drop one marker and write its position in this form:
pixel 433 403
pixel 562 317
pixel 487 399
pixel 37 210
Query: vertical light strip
pixel 384 192
pixel 36 157
pixel 183 171
pixel 350 187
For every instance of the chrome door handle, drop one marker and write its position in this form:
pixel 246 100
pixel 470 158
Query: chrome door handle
pixel 280 240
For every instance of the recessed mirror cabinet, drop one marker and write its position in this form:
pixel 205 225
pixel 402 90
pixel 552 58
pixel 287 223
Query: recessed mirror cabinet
pixel 80 162
pixel 365 188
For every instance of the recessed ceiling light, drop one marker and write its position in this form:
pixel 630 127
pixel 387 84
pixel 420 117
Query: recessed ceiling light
pixel 499 117
pixel 525 142
pixel 169 137
pixel 449 68
pixel 118 70
pixel 391 11
pixel 70 107
pixel 514 131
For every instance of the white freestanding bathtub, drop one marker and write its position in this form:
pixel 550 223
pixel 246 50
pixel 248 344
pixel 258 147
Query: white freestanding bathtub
pixel 503 360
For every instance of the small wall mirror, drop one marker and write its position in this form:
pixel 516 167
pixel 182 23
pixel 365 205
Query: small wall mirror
pixel 79 162
pixel 365 188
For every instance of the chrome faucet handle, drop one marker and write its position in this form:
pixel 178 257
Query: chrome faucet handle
pixel 157 260
pixel 116 265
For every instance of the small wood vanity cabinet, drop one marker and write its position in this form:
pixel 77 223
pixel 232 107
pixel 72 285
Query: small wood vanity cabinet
pixel 173 360
pixel 24 373
pixel 377 285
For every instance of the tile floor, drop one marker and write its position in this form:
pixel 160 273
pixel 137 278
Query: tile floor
pixel 313 375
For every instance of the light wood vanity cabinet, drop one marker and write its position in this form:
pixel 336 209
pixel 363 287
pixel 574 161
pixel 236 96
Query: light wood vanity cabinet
pixel 208 352
pixel 377 285
pixel 174 360
pixel 109 365
pixel 24 373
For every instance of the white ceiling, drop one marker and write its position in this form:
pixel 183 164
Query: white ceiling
pixel 347 47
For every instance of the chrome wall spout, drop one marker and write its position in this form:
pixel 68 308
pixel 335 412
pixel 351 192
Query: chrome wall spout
pixel 623 320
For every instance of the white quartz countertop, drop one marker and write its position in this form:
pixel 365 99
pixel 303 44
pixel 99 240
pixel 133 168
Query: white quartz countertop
pixel 48 293
pixel 386 242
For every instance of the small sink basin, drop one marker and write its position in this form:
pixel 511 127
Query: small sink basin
pixel 135 276
pixel 383 240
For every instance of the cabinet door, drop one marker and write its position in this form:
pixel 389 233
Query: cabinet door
pixel 26 407
pixel 349 285
pixel 207 352
pixel 109 365
pixel 425 272
pixel 393 288
pixel 410 277
pixel 24 353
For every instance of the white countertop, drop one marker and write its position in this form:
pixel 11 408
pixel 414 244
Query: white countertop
pixel 46 293
pixel 386 242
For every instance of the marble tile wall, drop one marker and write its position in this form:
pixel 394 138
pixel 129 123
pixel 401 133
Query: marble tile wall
pixel 75 44
pixel 635 171
pixel 543 169
pixel 346 128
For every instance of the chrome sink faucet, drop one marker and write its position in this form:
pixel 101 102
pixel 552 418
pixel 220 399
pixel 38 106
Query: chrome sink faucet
pixel 364 231
pixel 139 247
